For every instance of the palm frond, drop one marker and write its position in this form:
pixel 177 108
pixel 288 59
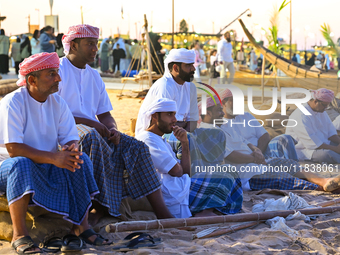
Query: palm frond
pixel 283 5
pixel 326 33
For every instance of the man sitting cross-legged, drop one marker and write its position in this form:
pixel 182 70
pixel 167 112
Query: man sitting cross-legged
pixel 205 192
pixel 316 135
pixel 122 165
pixel 33 121
pixel 242 153
pixel 282 146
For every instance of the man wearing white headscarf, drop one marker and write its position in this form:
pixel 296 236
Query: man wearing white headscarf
pixel 159 119
pixel 175 85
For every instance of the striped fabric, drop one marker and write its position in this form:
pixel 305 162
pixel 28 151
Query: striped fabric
pixel 220 191
pixel 120 171
pixel 55 189
pixel 281 180
pixel 210 190
pixel 282 146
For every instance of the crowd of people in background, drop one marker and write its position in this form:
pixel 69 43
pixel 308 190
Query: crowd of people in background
pixel 117 55
pixel 22 47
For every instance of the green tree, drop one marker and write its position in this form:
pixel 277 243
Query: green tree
pixel 183 26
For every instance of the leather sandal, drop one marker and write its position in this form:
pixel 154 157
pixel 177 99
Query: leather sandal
pixel 27 240
pixel 99 240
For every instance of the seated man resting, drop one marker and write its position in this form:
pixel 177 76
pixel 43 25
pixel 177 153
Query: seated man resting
pixel 33 121
pixel 174 173
pixel 205 192
pixel 242 153
pixel 316 135
pixel 282 146
pixel 122 165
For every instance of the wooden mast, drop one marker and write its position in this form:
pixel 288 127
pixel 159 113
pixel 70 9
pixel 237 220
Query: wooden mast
pixel 148 49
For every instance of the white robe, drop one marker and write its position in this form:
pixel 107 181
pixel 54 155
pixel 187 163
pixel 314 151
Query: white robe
pixel 311 131
pixel 175 190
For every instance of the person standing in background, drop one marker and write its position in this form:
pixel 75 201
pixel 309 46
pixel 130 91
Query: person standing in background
pixel 16 54
pixel 225 58
pixel 25 48
pixel 103 55
pixel 4 49
pixel 59 45
pixel 47 43
pixel 35 43
pixel 128 54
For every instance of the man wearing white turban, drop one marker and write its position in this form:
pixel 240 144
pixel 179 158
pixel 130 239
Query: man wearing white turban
pixel 160 119
pixel 175 85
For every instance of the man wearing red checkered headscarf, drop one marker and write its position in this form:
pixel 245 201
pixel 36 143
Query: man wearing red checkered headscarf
pixel 33 121
pixel 316 135
pixel 117 158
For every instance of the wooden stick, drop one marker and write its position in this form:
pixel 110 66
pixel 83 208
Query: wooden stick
pixel 329 203
pixel 175 223
pixel 223 231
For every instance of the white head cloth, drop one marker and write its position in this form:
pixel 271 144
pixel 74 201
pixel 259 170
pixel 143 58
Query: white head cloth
pixel 179 55
pixel 160 105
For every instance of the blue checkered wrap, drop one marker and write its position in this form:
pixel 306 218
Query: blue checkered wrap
pixel 55 189
pixel 210 190
pixel 120 170
pixel 282 146
pixel 281 180
pixel 222 191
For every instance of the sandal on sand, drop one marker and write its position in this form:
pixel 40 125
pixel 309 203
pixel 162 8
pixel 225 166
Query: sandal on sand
pixel 99 240
pixel 72 242
pixel 137 240
pixel 53 245
pixel 24 249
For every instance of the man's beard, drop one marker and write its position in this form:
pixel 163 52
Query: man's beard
pixel 164 127
pixel 188 77
pixel 228 39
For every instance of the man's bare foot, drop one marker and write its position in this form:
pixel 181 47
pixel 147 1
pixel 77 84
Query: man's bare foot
pixel 95 216
pixel 332 184
pixel 206 213
pixel 29 250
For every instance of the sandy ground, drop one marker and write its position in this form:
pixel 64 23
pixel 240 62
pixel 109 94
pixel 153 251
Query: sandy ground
pixel 320 236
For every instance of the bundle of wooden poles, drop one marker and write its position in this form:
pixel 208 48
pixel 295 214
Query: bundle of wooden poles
pixel 251 219
pixel 7 86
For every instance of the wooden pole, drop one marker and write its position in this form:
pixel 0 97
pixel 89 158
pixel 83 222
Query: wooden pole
pixel 82 15
pixel 173 24
pixel 262 79
pixel 244 217
pixel 229 229
pixel 290 36
pixel 149 50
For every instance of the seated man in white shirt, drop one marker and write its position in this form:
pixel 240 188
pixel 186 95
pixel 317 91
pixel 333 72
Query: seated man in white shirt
pixel 175 85
pixel 202 194
pixel 282 146
pixel 316 135
pixel 33 121
pixel 122 165
pixel 245 156
pixel 174 173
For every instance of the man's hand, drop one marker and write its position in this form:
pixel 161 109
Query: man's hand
pixel 52 41
pixel 259 158
pixel 180 134
pixel 337 149
pixel 114 136
pixel 181 124
pixel 102 129
pixel 68 158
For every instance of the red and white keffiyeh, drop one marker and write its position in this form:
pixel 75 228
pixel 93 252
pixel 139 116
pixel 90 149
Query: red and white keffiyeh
pixel 79 31
pixel 37 62
pixel 324 95
pixel 226 93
